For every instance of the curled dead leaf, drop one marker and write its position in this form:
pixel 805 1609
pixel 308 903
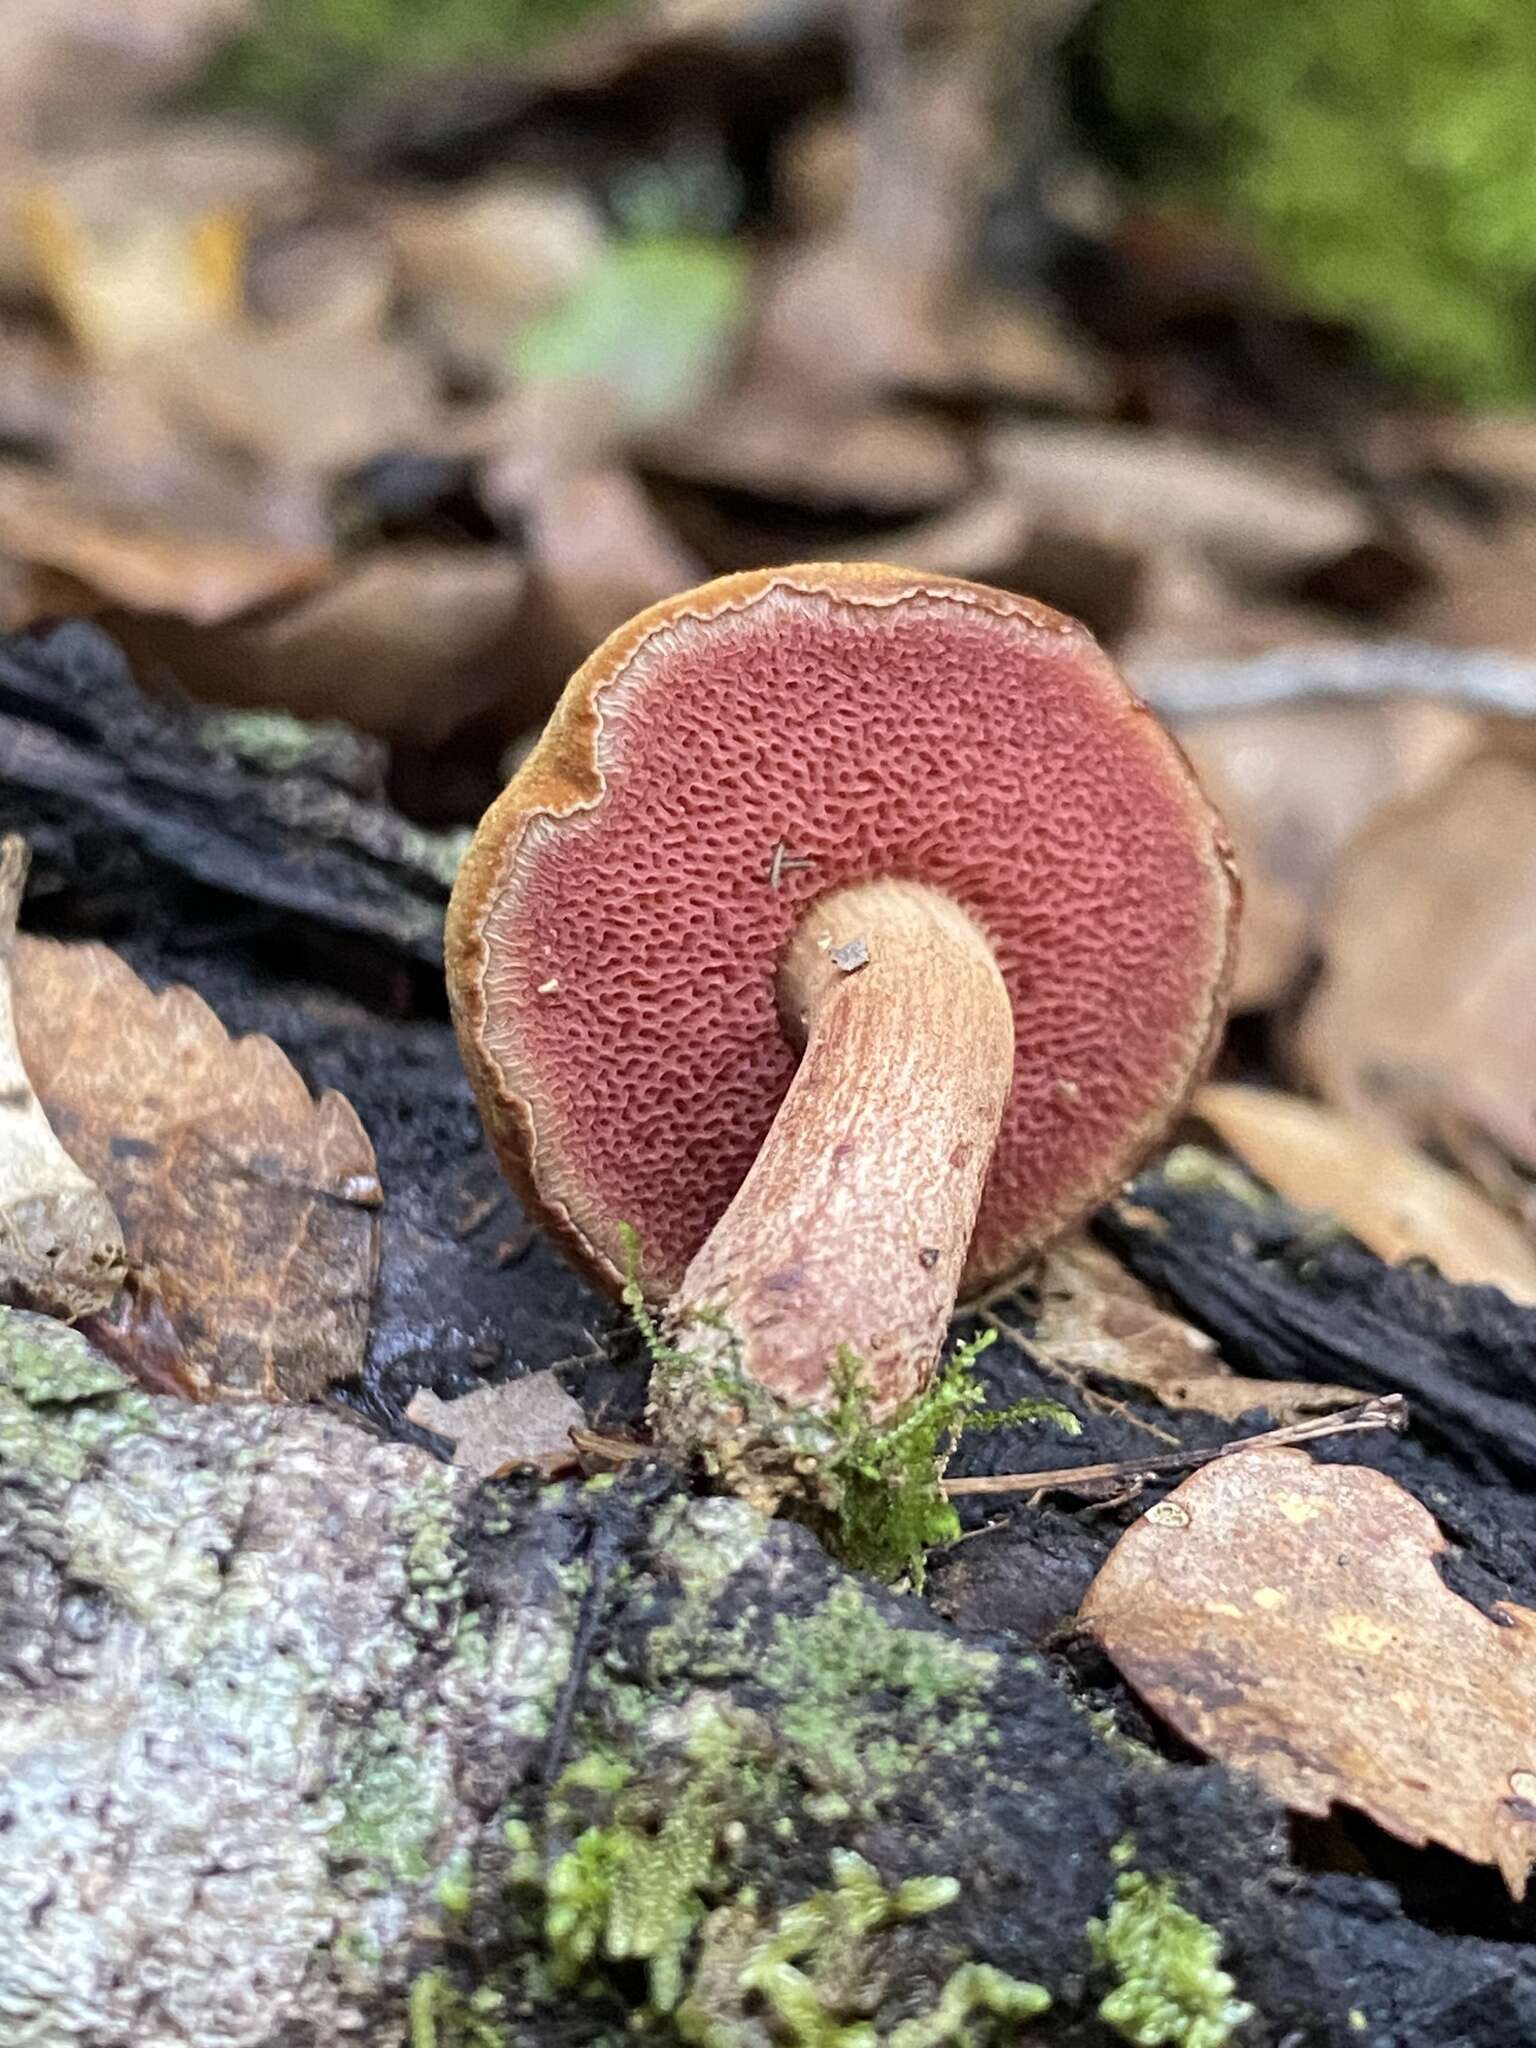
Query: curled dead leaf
pixel 884 460
pixel 1255 521
pixel 128 555
pixel 1287 1617
pixel 409 642
pixel 1425 1005
pixel 249 1209
pixel 1387 1194
pixel 1294 786
pixel 61 1250
pixel 1096 1318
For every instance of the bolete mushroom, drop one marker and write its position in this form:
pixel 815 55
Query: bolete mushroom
pixel 848 934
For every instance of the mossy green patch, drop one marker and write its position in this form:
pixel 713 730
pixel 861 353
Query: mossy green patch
pixel 59 1399
pixel 1171 1991
pixel 443 2016
pixel 814 1972
pixel 1379 150
pixel 633 1886
pixel 883 1481
pixel 392 1804
pixel 273 740
pixel 301 60
pixel 848 1681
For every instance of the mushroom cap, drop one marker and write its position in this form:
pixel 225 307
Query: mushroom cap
pixel 618 922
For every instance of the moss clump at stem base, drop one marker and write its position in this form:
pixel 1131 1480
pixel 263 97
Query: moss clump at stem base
pixel 873 1490
pixel 883 1481
pixel 1171 1990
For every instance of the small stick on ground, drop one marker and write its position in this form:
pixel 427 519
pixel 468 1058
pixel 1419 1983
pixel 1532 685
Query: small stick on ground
pixel 1387 1411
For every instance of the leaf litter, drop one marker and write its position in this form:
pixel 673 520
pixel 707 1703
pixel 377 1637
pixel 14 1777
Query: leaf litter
pixel 249 1210
pixel 494 1430
pixel 1288 1618
pixel 61 1247
pixel 1390 1195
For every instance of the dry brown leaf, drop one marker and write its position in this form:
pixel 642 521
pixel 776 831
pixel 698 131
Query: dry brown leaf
pixel 1287 1617
pixel 410 642
pixel 484 260
pixel 994 536
pixel 37 388
pixel 126 555
pixel 1094 1317
pixel 249 1209
pixel 520 1422
pixel 61 1250
pixel 1426 1004
pixel 1013 352
pixel 597 554
pixel 142 246
pixel 1294 786
pixel 1253 520
pixel 1387 1194
pixel 72 70
pixel 766 440
pixel 328 274
pixel 293 400
pixel 1484 589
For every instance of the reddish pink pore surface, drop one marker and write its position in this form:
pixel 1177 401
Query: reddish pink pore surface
pixel 987 755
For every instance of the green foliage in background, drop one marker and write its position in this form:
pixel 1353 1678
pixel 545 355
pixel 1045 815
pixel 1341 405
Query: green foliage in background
pixel 302 58
pixel 652 323
pixel 1383 152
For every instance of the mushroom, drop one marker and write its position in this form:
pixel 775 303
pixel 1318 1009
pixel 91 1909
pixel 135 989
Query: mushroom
pixel 848 934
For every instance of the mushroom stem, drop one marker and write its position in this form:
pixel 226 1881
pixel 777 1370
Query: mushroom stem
pixel 850 1232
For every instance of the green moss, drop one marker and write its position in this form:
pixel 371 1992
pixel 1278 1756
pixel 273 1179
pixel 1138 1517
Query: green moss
pixel 873 1490
pixel 973 1994
pixel 848 1681
pixel 633 1885
pixel 884 1480
pixel 443 2016
pixel 1171 1991
pixel 1379 150
pixel 815 1974
pixel 643 1865
pixel 302 59
pixel 455 1891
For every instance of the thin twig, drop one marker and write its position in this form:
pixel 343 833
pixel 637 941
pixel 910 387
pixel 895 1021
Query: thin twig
pixel 1387 1411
